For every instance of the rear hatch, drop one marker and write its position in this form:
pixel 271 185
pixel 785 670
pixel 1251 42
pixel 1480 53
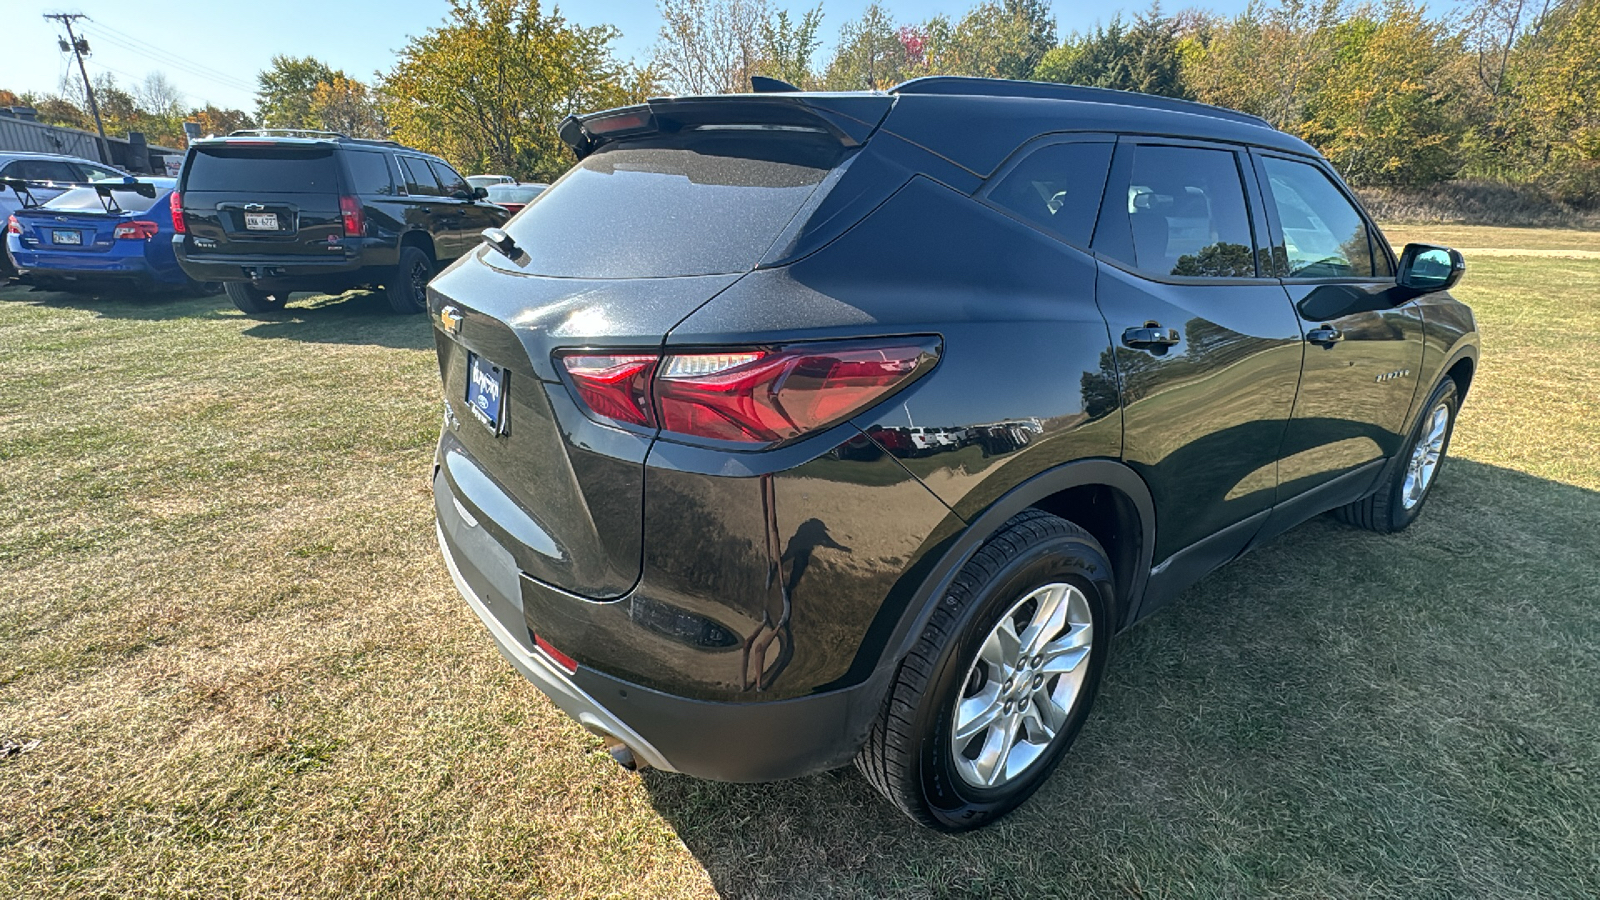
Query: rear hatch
pixel 262 198
pixel 646 228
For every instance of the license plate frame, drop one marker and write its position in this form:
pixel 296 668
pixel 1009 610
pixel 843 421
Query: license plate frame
pixel 486 392
pixel 261 221
pixel 66 237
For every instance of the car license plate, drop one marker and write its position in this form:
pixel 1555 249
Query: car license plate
pixel 66 237
pixel 261 221
pixel 486 391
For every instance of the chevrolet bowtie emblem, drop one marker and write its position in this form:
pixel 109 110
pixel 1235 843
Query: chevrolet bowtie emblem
pixel 450 320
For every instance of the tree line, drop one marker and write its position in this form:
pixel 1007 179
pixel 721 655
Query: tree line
pixel 1393 94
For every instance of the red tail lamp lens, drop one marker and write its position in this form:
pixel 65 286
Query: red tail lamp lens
pixel 561 659
pixel 178 224
pixel 750 395
pixel 13 226
pixel 350 212
pixel 616 386
pixel 135 231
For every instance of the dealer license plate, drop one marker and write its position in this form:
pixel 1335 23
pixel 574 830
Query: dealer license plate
pixel 486 391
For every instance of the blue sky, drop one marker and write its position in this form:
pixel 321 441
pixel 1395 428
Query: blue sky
pixel 213 51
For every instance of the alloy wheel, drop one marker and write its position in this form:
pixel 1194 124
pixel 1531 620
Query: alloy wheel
pixel 1425 457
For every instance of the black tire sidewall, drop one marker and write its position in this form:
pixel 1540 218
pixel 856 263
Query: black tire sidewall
pixel 402 299
pixel 254 301
pixel 954 804
pixel 1399 516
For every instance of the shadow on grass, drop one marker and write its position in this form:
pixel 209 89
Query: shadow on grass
pixel 354 317
pixel 1337 713
pixel 123 303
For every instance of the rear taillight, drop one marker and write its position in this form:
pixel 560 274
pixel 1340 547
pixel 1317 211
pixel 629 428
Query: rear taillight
pixel 756 395
pixel 178 224
pixel 135 231
pixel 13 226
pixel 350 212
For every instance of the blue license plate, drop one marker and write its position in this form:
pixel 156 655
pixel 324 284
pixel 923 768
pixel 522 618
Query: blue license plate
pixel 486 391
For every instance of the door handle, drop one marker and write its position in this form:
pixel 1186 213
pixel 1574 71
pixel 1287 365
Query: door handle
pixel 1326 334
pixel 1150 336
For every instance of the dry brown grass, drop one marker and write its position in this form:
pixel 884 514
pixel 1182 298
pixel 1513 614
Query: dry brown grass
pixel 1476 203
pixel 224 620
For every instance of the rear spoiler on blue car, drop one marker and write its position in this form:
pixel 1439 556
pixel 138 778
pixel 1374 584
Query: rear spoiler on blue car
pixel 848 118
pixel 20 187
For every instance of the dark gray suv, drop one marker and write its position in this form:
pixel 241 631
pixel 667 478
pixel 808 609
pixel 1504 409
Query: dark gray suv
pixel 788 429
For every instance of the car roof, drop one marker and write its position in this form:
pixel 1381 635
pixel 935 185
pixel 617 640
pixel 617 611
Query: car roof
pixel 296 138
pixel 13 155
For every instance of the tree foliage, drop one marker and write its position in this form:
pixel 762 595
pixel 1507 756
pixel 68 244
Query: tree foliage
pixel 284 96
pixel 489 88
pixel 1146 57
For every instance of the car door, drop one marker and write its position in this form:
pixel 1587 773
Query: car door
pixel 1363 337
pixel 430 209
pixel 473 215
pixel 1205 344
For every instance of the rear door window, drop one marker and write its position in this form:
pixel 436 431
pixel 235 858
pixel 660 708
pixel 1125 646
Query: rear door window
pixel 1058 188
pixel 263 170
pixel 41 170
pixel 1323 234
pixel 697 204
pixel 1185 212
pixel 450 182
pixel 419 179
pixel 369 169
pixel 90 172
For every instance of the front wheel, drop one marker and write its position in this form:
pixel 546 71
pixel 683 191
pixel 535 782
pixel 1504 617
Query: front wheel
pixel 253 301
pixel 1001 680
pixel 1411 476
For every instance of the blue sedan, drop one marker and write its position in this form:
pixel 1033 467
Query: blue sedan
pixel 106 232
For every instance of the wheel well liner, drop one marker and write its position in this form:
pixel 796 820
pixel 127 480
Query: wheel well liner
pixel 421 240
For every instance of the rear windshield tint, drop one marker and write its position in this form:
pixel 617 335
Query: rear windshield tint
pixel 702 204
pixel 264 170
pixel 88 200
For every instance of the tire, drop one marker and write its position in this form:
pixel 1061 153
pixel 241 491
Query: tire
pixel 1409 480
pixel 253 301
pixel 911 755
pixel 407 289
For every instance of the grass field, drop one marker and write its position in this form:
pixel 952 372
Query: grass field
pixel 232 663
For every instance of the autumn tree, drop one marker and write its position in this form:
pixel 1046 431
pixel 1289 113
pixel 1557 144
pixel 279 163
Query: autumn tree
pixel 1145 57
pixel 348 107
pixel 1267 61
pixel 875 53
pixel 787 46
pixel 286 89
pixel 993 39
pixel 489 88
pixel 1557 79
pixel 214 120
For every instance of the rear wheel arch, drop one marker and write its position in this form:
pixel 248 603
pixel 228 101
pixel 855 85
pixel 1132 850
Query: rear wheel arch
pixel 422 241
pixel 1102 496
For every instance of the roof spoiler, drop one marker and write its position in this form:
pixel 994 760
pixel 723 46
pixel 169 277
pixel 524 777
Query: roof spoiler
pixel 19 187
pixel 848 118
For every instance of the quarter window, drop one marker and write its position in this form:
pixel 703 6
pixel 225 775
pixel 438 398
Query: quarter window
pixel 1058 188
pixel 1186 212
pixel 1323 234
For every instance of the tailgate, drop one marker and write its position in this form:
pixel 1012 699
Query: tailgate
pixel 264 200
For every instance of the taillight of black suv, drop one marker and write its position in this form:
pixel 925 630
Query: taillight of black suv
pixel 788 429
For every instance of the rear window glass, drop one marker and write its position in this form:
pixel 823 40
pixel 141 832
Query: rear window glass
pixel 80 199
pixel 370 171
pixel 274 170
pixel 419 181
pixel 1058 188
pixel 696 205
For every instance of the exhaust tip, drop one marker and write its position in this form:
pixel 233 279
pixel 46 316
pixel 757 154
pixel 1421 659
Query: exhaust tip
pixel 622 753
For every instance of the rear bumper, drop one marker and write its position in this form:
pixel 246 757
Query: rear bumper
pixel 291 272
pixel 106 267
pixel 724 741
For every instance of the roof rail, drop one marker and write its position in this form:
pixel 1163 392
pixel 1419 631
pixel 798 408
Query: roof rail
pixel 1043 90
pixel 309 133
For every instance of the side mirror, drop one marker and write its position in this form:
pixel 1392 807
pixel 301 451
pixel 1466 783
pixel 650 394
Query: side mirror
pixel 480 193
pixel 1426 268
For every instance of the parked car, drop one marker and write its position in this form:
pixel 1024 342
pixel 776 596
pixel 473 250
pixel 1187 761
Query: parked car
pixel 485 181
pixel 114 232
pixel 45 175
pixel 514 196
pixel 651 483
pixel 270 212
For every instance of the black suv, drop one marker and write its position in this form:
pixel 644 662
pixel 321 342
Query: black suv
pixel 269 212
pixel 788 428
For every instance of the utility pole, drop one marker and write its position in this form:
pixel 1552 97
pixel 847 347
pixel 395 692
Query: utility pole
pixel 79 47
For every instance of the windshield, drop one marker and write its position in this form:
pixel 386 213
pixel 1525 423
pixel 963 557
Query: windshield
pixel 514 193
pixel 698 204
pixel 263 170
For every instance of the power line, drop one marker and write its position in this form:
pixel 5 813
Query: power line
pixel 79 47
pixel 193 69
pixel 122 38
